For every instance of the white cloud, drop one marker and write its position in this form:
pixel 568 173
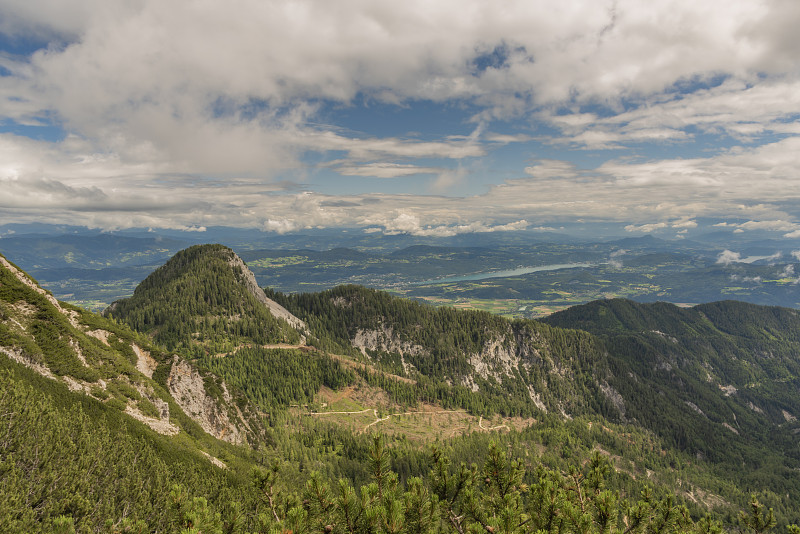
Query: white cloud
pixel 550 168
pixel 280 226
pixel 386 170
pixel 646 228
pixel 370 148
pixel 737 107
pixel 739 278
pixel 511 227
pixel 685 224
pixel 792 229
pixel 778 226
pixel 615 258
pixel 505 139
pixel 448 179
pixel 726 257
pixel 144 66
pixel 796 254
pixel 407 223
pixel 72 182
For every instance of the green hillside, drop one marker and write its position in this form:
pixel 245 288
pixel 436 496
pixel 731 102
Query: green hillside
pixel 94 426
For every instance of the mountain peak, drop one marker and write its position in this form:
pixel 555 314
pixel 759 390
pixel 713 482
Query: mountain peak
pixel 206 299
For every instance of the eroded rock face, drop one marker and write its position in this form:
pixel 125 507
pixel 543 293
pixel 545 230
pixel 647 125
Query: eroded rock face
pixel 502 357
pixel 144 362
pixel 20 357
pixel 498 359
pixel 160 424
pixel 187 387
pixel 252 286
pixel 385 340
pixel 536 398
pixel 614 397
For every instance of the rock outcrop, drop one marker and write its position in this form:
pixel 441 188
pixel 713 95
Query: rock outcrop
pixel 275 309
pixel 187 387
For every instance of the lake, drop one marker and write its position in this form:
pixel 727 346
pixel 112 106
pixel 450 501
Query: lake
pixel 503 274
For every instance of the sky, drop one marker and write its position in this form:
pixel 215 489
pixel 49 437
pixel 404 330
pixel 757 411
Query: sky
pixel 430 118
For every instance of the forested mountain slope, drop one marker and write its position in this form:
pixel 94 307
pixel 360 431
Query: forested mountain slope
pixel 492 363
pixel 719 380
pixel 205 299
pixel 202 303
pixel 733 363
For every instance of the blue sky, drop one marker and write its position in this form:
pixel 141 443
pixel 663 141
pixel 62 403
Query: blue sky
pixel 427 118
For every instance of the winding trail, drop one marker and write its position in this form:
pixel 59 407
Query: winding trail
pixel 382 419
pixel 377 420
pixel 345 413
pixel 480 425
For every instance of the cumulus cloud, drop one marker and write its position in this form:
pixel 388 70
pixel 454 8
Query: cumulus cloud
pixel 448 179
pixel 792 229
pixel 685 224
pixel 726 257
pixel 280 226
pixel 99 189
pixel 646 228
pixel 420 50
pixel 364 149
pixel 408 223
pixel 392 52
